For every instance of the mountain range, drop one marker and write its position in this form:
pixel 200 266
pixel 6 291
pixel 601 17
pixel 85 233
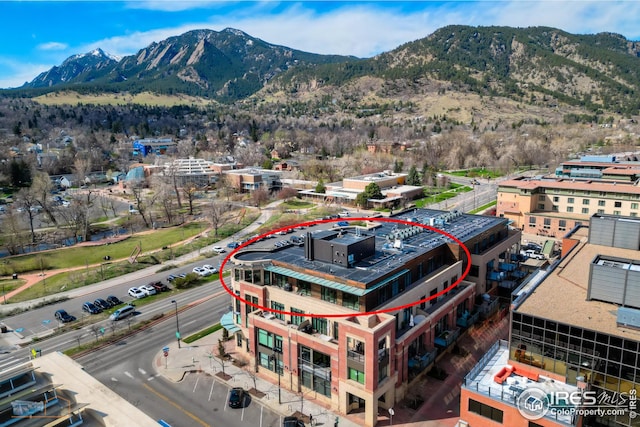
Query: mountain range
pixel 599 72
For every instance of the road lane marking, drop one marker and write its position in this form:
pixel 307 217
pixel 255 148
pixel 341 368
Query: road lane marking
pixel 244 404
pixel 128 374
pixel 180 408
pixel 142 371
pixel 196 384
pixel 114 379
pixel 261 408
pixel 151 378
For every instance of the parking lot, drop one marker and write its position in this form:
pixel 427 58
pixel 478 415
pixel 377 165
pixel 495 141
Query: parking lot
pixel 212 394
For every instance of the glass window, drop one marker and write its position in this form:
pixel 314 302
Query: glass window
pixel 617 204
pixel 601 202
pixel 570 200
pixel 562 223
pixel 485 410
pixel 634 206
pixel 585 210
pixel 304 288
pixel 556 198
pixel 532 220
pixel 275 305
pixel 319 325
pixel 585 201
pixel 541 206
pixel 296 320
pixel 356 375
pixel 569 208
pixel 328 294
pixel 541 197
pixel 350 300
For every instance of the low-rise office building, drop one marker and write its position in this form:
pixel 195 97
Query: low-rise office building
pixel 575 329
pixel 553 206
pixel 354 315
pixel 251 179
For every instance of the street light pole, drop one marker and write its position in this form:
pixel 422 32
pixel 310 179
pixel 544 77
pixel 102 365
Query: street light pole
pixel 177 324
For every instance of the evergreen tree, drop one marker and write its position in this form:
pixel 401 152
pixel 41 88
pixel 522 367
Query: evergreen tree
pixel 414 177
pixel 320 188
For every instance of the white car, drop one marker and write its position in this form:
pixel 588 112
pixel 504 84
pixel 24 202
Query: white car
pixel 201 271
pixel 219 249
pixel 148 290
pixel 136 293
pixel 210 268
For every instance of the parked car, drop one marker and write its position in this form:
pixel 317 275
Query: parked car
pixel 292 422
pixel 114 300
pixel 219 249
pixel 211 268
pixel 237 397
pixel 102 304
pixel 64 317
pixel 91 308
pixel 530 253
pixel 159 286
pixel 233 245
pixel 136 293
pixel 148 290
pixel 201 271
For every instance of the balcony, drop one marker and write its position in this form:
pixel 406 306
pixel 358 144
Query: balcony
pixel 446 338
pixel 421 361
pixel 466 320
pixel 355 355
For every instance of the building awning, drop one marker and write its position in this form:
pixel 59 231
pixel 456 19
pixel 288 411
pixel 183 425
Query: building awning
pixel 330 283
pixel 227 322
pixel 317 280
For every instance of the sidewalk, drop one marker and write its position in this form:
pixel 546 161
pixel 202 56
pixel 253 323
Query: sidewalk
pixel 195 357
pixel 441 407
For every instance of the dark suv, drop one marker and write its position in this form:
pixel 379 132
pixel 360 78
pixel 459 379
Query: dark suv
pixel 159 286
pixel 292 422
pixel 64 317
pixel 91 308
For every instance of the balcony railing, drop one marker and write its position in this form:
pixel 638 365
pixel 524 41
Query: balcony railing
pixel 354 355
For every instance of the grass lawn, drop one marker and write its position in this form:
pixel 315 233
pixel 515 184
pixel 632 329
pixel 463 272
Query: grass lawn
pixel 203 333
pixel 440 197
pixel 106 270
pixel 484 207
pixel 296 204
pixel 77 256
pixel 477 173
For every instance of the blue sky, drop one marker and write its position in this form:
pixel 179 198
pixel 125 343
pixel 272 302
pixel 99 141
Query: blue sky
pixel 37 35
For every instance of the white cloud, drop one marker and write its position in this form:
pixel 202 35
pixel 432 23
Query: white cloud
pixel 365 30
pixel 358 28
pixel 174 5
pixel 16 73
pixel 52 46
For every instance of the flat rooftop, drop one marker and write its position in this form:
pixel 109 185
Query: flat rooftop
pixel 570 184
pixel 388 256
pixel 562 295
pixel 481 379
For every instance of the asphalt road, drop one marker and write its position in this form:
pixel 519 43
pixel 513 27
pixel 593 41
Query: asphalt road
pixel 40 321
pixel 198 400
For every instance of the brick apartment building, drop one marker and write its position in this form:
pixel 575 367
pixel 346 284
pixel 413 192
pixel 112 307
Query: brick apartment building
pixel 369 361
